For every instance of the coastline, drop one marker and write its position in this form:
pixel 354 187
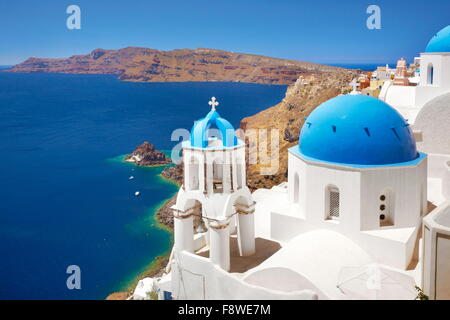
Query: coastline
pixel 98 190
pixel 159 262
pixel 157 265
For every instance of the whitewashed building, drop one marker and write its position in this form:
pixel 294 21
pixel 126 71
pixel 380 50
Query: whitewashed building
pixel 365 213
pixel 434 79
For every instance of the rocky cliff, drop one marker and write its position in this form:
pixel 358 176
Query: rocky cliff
pixel 147 155
pixel 143 64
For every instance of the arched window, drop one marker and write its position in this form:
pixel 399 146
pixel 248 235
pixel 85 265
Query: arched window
pixel 332 199
pixel 200 223
pixel 386 208
pixel 430 74
pixel 296 188
pixel 194 167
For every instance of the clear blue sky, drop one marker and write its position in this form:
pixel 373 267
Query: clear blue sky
pixel 310 30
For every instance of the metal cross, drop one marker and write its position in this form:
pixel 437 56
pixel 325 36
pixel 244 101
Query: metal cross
pixel 213 103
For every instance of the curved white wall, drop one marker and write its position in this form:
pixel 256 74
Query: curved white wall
pixel 282 279
pixel 194 277
pixel 436 252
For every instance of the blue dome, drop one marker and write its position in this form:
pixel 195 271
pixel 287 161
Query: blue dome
pixel 200 134
pixel 440 42
pixel 357 130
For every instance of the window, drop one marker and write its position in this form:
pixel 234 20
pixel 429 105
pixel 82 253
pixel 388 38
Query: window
pixel 430 73
pixel 333 203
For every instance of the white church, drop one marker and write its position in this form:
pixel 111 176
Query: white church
pixel 365 213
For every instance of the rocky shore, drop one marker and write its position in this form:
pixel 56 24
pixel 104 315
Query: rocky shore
pixel 164 214
pixel 147 155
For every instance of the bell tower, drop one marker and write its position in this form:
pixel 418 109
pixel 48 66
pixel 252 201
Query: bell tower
pixel 214 191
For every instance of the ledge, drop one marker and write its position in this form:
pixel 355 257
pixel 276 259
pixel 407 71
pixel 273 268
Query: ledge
pixel 295 151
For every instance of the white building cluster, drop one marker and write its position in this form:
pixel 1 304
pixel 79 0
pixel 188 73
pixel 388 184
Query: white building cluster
pixel 434 79
pixel 365 213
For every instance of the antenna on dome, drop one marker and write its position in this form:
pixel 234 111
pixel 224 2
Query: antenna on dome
pixel 213 103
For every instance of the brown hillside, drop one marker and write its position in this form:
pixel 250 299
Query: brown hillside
pixel 143 64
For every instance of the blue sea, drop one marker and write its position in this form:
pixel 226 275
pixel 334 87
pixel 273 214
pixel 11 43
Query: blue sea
pixel 66 198
pixel 362 66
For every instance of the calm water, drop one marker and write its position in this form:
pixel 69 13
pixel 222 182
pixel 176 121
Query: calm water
pixel 63 202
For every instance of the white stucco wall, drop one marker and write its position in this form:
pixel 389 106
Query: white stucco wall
pixel 318 256
pixel 441 65
pixel 194 277
pixel 408 186
pixel 433 121
pixel 436 253
pixel 433 128
pixel 314 181
pixel 281 279
pixel 401 96
pixel 359 220
pixel 441 77
pixel 446 181
pixel 359 193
